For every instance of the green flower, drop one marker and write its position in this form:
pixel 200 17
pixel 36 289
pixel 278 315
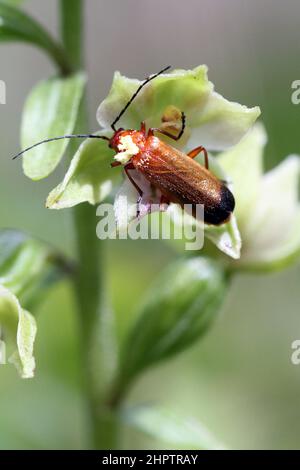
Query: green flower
pixel 27 268
pixel 211 121
pixel 267 205
pixel 20 328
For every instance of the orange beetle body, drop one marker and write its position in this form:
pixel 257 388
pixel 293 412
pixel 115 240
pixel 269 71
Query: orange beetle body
pixel 179 178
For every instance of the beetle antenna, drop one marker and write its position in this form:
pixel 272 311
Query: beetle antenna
pixel 147 80
pixel 74 136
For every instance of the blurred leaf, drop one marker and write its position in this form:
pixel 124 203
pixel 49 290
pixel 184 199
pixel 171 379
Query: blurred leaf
pixel 89 177
pixel 51 110
pixel 28 266
pixel 176 312
pixel 173 428
pixel 16 25
pixel 20 327
pixel 13 3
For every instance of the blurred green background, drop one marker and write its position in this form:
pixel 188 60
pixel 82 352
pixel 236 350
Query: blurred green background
pixel 238 380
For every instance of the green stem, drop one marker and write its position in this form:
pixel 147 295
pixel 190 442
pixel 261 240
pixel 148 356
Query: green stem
pixel 88 281
pixel 58 55
pixel 72 27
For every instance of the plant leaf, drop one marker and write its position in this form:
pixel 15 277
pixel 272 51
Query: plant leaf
pixel 28 266
pixel 50 111
pixel 14 3
pixel 89 177
pixel 21 329
pixel 15 25
pixel 173 428
pixel 176 312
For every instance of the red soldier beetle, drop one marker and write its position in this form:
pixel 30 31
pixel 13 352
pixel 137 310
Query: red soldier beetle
pixel 177 175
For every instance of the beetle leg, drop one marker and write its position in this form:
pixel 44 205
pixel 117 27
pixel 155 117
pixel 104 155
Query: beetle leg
pixel 126 169
pixel 143 127
pixel 196 151
pixel 163 201
pixel 115 163
pixel 168 134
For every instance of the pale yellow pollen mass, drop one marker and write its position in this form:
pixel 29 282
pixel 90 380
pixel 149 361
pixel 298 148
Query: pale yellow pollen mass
pixel 127 149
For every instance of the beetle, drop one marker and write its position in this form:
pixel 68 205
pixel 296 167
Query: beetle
pixel 177 175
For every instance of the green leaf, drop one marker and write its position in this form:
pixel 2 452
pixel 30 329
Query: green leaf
pixel 28 266
pixel 51 110
pixel 20 327
pixel 89 178
pixel 172 428
pixel 176 312
pixel 16 25
pixel 13 3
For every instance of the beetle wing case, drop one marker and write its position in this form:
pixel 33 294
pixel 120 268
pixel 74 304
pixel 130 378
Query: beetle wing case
pixel 183 180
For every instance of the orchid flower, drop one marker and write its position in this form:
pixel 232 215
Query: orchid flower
pixel 211 121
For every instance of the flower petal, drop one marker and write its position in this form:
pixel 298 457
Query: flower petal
pixel 244 166
pixel 220 124
pixel 226 237
pixel 130 207
pixel 89 177
pixel 125 206
pixel 272 235
pixel 20 327
pixel 184 89
pixel 211 120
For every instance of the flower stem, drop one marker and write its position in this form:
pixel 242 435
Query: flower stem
pixel 88 280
